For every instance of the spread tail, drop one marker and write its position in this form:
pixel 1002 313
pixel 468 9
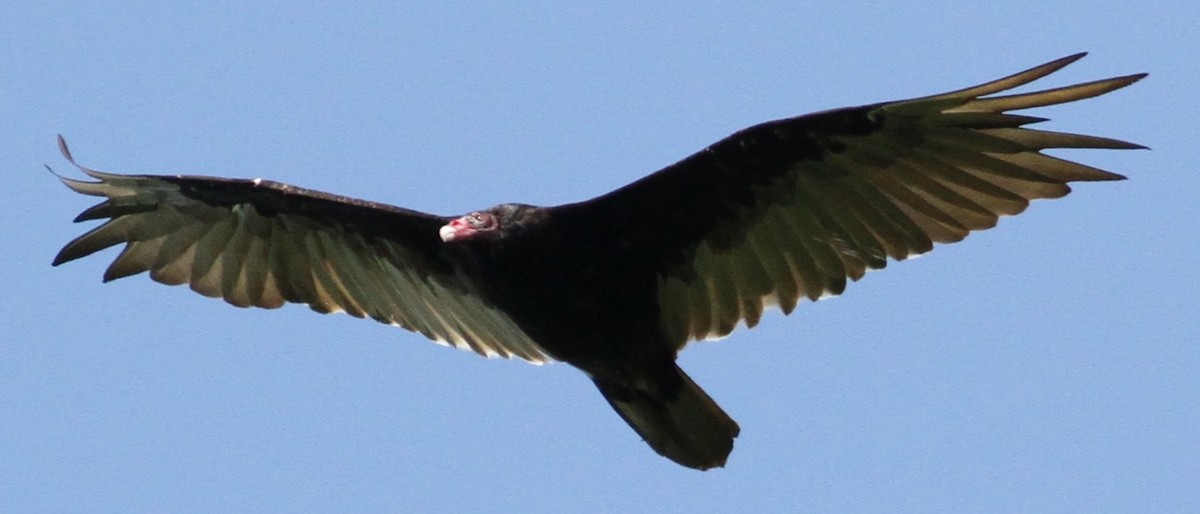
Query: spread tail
pixel 675 417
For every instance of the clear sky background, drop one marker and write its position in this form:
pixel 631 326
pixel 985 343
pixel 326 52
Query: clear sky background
pixel 1052 364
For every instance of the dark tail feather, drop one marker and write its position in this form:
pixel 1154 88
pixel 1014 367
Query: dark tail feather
pixel 675 417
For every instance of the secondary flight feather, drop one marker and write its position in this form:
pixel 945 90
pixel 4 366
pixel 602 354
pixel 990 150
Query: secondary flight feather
pixel 772 215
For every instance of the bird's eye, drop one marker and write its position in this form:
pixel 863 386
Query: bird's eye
pixel 479 220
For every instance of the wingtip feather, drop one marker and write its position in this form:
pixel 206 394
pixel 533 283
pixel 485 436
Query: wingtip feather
pixel 65 150
pixel 1012 81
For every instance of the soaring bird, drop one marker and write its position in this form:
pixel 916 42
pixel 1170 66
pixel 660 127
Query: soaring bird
pixel 617 285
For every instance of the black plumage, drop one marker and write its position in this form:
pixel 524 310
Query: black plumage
pixel 617 285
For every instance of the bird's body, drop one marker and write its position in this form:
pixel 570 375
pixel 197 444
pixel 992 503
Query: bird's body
pixel 617 285
pixel 612 333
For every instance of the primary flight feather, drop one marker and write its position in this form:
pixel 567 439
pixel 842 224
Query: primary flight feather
pixel 774 214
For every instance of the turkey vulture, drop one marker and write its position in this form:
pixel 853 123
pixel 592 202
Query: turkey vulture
pixel 617 285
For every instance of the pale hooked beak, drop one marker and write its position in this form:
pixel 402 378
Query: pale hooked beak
pixel 447 232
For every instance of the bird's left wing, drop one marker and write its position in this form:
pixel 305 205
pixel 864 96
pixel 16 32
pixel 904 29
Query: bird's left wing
pixel 791 209
pixel 262 244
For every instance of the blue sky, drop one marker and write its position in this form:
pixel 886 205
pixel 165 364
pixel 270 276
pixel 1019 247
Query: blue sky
pixel 1048 365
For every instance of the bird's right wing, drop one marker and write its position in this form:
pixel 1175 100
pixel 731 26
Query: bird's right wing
pixel 796 208
pixel 262 244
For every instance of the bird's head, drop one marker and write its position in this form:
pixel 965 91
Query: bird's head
pixel 490 224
